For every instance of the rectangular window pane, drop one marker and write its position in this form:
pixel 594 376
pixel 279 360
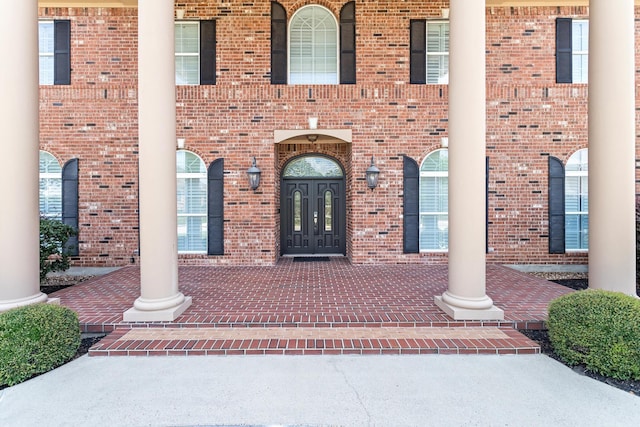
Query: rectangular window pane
pixel 51 197
pixel 434 232
pixel 580 36
pixel 45 48
pixel 192 233
pixel 584 194
pixel 434 194
pixel 438 69
pixel 46 70
pixel 571 232
pixel 580 49
pixel 572 194
pixel 187 46
pixel 187 38
pixel 580 68
pixel 434 208
pixel 45 37
pixel 584 231
pixel 192 195
pixel 577 231
pixel 438 37
pixel 187 70
pixel 437 52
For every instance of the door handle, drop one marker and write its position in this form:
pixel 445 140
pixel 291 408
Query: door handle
pixel 315 222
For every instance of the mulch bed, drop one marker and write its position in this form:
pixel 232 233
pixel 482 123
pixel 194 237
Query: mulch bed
pixel 577 282
pixel 542 338
pixel 573 281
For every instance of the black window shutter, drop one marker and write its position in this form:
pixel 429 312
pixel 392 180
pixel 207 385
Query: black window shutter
pixel 215 208
pixel 278 44
pixel 70 203
pixel 564 57
pixel 418 54
pixel 62 52
pixel 348 43
pixel 208 52
pixel 411 206
pixel 556 206
pixel 486 205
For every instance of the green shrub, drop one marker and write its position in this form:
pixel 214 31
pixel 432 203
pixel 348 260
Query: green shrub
pixel 598 329
pixel 637 253
pixel 53 237
pixel 35 339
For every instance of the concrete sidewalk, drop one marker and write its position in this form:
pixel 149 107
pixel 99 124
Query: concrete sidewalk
pixel 316 391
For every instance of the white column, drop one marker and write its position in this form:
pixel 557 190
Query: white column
pixel 466 298
pixel 19 133
pixel 612 146
pixel 160 299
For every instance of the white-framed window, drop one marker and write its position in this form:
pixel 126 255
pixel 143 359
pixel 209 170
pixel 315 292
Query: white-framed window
pixel 580 50
pixel 434 202
pixel 50 186
pixel 313 46
pixel 187 48
pixel 46 41
pixel 577 201
pixel 192 202
pixel 437 50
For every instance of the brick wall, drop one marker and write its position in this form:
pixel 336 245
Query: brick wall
pixel 529 117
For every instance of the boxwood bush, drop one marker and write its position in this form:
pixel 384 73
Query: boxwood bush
pixel 35 339
pixel 598 329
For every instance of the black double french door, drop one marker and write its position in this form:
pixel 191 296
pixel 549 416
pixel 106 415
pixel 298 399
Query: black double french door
pixel 313 216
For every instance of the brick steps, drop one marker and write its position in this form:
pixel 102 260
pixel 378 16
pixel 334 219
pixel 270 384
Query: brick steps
pixel 207 341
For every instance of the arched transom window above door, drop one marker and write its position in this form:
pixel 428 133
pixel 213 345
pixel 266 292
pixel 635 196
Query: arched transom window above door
pixel 312 167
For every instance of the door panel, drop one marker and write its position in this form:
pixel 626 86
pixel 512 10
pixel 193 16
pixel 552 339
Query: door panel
pixel 313 216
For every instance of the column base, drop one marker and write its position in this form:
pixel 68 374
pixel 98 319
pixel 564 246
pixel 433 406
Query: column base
pixel 460 313
pixel 39 297
pixel 164 315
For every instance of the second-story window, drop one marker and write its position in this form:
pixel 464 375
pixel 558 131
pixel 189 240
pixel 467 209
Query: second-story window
pixel 438 52
pixel 313 47
pixel 429 61
pixel 572 50
pixel 195 52
pixel 54 47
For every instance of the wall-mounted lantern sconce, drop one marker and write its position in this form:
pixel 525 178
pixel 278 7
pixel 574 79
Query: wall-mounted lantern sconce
pixel 445 13
pixel 179 14
pixel 180 143
pixel 372 175
pixel 444 142
pixel 254 175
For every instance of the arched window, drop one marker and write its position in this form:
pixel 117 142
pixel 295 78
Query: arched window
pixel 192 202
pixel 50 186
pixel 313 46
pixel 312 167
pixel 434 202
pixel 576 201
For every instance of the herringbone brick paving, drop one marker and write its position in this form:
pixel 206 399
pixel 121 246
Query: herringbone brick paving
pixel 324 307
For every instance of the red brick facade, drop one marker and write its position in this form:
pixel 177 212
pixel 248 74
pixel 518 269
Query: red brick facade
pixel 529 117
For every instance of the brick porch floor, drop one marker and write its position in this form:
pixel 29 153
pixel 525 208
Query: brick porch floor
pixel 312 308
